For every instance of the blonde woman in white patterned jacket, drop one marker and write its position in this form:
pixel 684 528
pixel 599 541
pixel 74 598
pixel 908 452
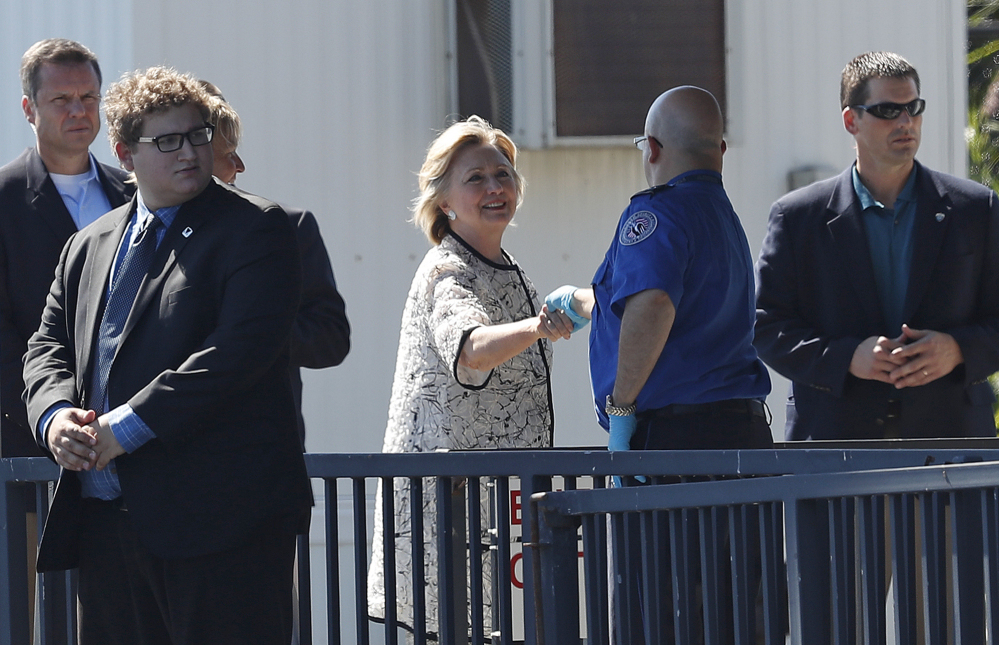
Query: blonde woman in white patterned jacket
pixel 474 361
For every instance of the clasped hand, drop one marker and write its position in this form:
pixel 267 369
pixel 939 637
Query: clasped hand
pixel 80 440
pixel 916 357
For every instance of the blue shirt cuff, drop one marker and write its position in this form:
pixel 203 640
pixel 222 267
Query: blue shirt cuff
pixel 130 431
pixel 43 423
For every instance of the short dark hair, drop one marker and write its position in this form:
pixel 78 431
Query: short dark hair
pixel 55 51
pixel 853 87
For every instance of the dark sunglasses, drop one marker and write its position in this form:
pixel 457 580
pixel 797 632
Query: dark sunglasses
pixel 890 111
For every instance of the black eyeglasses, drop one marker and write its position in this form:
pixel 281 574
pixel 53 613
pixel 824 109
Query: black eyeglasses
pixel 199 136
pixel 889 111
pixel 641 142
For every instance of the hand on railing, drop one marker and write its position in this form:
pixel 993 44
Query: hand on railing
pixel 622 429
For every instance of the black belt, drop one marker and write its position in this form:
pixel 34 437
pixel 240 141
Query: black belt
pixel 750 407
pixel 116 504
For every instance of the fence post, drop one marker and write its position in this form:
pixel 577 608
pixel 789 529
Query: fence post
pixel 556 547
pixel 13 566
pixel 808 571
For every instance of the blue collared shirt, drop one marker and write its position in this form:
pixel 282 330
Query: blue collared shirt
pixel 83 195
pixel 128 428
pixel 889 238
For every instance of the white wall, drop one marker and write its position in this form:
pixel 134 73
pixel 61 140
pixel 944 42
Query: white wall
pixel 340 98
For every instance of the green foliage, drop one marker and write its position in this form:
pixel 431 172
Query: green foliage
pixel 983 104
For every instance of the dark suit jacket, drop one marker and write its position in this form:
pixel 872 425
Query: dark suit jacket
pixel 321 334
pixel 34 226
pixel 203 361
pixel 817 300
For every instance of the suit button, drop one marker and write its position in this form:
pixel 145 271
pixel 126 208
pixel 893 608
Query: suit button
pixel 880 422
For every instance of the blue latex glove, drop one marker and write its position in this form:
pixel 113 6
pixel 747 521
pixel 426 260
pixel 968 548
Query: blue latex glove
pixel 561 298
pixel 622 429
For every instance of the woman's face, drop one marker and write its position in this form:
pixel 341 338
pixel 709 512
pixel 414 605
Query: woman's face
pixel 482 191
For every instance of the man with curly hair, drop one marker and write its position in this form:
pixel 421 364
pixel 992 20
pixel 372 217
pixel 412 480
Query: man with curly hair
pixel 158 380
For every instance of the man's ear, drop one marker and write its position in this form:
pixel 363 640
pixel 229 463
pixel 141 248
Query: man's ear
pixel 28 109
pixel 654 151
pixel 724 146
pixel 850 120
pixel 124 154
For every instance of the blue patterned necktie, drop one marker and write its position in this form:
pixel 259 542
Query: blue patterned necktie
pixel 124 288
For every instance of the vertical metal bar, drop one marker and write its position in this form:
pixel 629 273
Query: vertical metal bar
pixel 871 525
pixel 387 500
pixel 903 567
pixel 968 581
pixel 933 568
pixel 619 587
pixel 303 567
pixel 475 559
pixel 647 578
pixel 530 484
pixel 361 562
pixel 743 523
pixel 332 562
pixel 841 563
pixel 459 541
pixel 560 578
pixel 56 605
pixel 990 540
pixel 808 555
pixel 685 561
pixel 715 624
pixel 502 586
pixel 417 547
pixel 13 567
pixel 774 577
pixel 445 562
pixel 595 578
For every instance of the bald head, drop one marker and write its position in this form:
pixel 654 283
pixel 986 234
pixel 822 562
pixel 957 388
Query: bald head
pixel 688 123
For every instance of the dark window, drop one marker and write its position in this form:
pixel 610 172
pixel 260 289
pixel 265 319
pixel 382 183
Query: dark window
pixel 484 67
pixel 612 59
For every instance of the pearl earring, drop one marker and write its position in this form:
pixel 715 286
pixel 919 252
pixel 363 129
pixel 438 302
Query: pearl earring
pixel 451 215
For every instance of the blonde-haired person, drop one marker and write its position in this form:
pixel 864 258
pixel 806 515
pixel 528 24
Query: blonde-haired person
pixel 474 361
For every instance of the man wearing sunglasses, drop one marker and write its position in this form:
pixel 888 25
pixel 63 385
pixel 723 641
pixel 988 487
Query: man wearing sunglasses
pixel 878 290
pixel 158 380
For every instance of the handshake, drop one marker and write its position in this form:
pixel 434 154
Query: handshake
pixel 563 298
pixel 577 304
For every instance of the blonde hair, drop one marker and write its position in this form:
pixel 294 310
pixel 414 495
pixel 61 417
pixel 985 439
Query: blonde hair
pixel 435 179
pixel 141 93
pixel 223 116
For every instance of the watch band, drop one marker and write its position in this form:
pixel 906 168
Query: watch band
pixel 616 411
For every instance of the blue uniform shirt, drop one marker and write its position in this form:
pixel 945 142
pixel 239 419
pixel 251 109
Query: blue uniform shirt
pixel 685 239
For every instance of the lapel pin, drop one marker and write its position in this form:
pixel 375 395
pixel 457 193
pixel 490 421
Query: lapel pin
pixel 940 217
pixel 187 231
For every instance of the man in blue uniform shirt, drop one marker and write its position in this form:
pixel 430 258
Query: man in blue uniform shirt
pixel 671 356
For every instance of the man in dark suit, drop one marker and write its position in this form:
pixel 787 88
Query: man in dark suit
pixel 878 290
pixel 321 335
pixel 61 81
pixel 163 392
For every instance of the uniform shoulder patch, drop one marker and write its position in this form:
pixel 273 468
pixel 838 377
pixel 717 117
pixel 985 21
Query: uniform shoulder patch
pixel 638 227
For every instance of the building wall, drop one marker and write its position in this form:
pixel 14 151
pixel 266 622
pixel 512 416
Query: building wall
pixel 340 98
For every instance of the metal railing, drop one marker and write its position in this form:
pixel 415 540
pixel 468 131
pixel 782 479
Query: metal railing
pixel 930 533
pixel 350 478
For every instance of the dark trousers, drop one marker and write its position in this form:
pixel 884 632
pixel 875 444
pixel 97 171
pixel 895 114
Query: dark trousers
pixel 715 428
pixel 132 597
